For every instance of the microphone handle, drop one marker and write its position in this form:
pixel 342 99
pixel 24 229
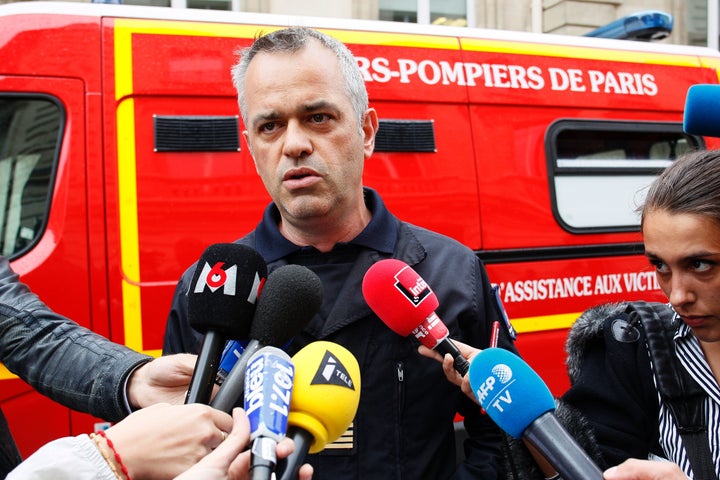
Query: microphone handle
pixel 203 377
pixel 262 463
pixel 287 468
pixel 446 346
pixel 551 439
pixel 233 388
pixel 261 472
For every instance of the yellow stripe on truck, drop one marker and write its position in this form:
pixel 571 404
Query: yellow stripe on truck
pixel 584 53
pixel 127 186
pixel 544 322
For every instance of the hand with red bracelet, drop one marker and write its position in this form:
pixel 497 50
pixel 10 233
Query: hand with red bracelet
pixel 162 441
pixel 231 460
pixel 158 442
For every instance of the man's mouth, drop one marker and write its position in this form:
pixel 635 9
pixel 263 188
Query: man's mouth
pixel 298 174
pixel 300 178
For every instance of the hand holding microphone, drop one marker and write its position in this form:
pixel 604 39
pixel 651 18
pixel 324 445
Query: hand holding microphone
pixel 520 403
pixel 221 304
pixel 406 304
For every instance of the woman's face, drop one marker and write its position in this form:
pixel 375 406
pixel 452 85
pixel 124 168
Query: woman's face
pixel 684 248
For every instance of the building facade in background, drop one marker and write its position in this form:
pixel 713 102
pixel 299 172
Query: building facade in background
pixel 568 17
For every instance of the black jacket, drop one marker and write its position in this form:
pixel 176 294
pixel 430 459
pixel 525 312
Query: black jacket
pixel 612 383
pixel 59 358
pixel 404 425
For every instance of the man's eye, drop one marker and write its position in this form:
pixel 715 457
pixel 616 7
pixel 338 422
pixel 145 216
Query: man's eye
pixel 268 127
pixel 702 265
pixel 659 266
pixel 319 117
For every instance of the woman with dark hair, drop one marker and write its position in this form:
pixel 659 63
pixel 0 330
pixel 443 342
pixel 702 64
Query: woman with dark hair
pixel 614 378
pixel 616 370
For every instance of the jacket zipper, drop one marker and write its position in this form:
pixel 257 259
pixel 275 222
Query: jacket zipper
pixel 400 371
pixel 400 368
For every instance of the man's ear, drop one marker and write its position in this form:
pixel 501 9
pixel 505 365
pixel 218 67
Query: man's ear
pixel 247 142
pixel 369 128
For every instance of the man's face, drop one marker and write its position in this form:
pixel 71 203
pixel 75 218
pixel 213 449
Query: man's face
pixel 304 134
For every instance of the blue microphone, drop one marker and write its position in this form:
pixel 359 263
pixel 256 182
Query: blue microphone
pixel 519 402
pixel 231 354
pixel 702 110
pixel 268 388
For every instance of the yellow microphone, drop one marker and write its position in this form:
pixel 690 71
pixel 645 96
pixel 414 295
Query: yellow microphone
pixel 326 394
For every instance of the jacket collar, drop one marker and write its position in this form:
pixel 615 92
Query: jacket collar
pixel 380 234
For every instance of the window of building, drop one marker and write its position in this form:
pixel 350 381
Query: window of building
pixel 449 12
pixel 210 4
pixel 600 171
pixel 30 133
pixel 399 10
pixel 438 12
pixel 151 3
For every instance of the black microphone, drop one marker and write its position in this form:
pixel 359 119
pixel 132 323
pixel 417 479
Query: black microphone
pixel 291 296
pixel 519 402
pixel 221 303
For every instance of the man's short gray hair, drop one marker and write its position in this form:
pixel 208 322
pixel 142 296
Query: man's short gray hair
pixel 294 39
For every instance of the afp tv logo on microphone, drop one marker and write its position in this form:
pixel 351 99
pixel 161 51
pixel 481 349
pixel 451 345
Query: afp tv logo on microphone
pixel 494 392
pixel 216 277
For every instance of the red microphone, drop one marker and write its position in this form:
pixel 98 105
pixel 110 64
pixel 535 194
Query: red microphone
pixel 406 304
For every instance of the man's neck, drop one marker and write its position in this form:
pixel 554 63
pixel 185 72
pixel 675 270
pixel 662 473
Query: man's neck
pixel 324 234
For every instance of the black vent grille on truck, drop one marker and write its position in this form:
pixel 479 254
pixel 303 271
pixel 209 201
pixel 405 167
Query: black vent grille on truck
pixel 196 134
pixel 405 136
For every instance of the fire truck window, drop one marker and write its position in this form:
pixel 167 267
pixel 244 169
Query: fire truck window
pixel 600 171
pixel 29 133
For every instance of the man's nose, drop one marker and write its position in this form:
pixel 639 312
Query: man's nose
pixel 297 141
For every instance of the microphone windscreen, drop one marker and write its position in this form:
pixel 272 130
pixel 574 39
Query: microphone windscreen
pixel 268 390
pixel 702 110
pixel 511 393
pixel 291 296
pixel 398 295
pixel 224 290
pixel 326 392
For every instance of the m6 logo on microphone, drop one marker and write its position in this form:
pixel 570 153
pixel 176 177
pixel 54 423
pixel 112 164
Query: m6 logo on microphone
pixel 216 277
pixel 412 286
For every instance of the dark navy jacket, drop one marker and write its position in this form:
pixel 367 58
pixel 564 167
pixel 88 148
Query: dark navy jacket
pixel 404 425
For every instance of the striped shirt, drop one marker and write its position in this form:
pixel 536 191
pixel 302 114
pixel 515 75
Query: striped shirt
pixel 692 358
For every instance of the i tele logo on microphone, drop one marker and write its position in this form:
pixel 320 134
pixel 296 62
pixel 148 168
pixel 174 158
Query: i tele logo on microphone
pixel 412 286
pixel 332 372
pixel 502 376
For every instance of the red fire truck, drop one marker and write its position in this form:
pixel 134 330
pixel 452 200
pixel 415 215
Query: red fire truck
pixel 121 160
